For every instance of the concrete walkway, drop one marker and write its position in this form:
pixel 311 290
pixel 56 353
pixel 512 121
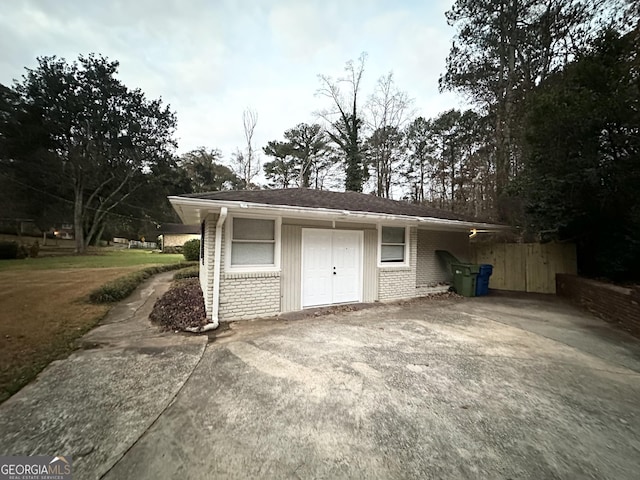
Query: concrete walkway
pixel 95 404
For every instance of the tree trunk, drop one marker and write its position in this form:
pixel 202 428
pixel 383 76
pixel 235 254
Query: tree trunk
pixel 453 178
pixel 98 236
pixel 421 198
pixel 77 219
pixel 504 84
pixel 306 172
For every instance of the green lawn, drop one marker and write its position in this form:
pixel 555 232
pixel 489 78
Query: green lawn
pixel 44 309
pixel 105 259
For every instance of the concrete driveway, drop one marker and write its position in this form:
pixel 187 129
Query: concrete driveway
pixel 500 388
pixel 496 387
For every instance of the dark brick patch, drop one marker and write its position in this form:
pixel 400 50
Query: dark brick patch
pixel 612 303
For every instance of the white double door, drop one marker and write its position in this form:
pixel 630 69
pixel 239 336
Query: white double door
pixel 331 266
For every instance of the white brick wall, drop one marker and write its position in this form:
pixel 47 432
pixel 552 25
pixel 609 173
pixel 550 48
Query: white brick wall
pixel 424 271
pixel 206 267
pixel 400 282
pixel 249 295
pixel 242 295
pixel 423 291
pixel 429 270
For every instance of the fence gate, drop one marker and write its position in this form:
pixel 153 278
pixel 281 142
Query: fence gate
pixel 526 267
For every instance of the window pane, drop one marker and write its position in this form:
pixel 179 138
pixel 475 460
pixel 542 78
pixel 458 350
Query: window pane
pixel 252 253
pixel 392 253
pixel 392 235
pixel 253 229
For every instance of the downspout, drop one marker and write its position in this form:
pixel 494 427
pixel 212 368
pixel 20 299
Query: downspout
pixel 216 267
pixel 217 256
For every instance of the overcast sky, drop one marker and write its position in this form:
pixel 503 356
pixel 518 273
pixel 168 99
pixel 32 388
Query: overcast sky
pixel 211 59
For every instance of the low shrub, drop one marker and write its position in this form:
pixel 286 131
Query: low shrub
pixel 23 252
pixel 172 249
pixel 8 250
pixel 191 250
pixel 34 249
pixel 191 272
pixel 122 287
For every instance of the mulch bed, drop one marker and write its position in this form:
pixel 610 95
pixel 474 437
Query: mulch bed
pixel 181 307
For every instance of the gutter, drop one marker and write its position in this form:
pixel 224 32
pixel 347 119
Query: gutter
pixel 217 258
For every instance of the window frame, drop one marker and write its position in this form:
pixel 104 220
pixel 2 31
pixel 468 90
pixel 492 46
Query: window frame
pixel 407 238
pixel 275 267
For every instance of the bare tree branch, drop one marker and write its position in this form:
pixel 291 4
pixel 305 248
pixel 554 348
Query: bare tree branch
pixel 344 119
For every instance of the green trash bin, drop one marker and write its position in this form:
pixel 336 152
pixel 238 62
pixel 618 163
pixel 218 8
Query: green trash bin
pixel 464 278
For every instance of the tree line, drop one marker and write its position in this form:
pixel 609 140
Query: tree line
pixel 549 145
pixel 549 142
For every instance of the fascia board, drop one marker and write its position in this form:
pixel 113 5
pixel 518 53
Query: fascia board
pixel 190 209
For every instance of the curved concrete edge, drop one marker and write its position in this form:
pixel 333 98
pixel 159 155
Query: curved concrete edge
pixel 95 404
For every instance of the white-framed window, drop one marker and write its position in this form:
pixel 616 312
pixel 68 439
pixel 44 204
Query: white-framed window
pixel 253 243
pixel 393 243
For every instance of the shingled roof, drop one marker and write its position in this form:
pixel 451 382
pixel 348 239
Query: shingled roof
pixel 311 198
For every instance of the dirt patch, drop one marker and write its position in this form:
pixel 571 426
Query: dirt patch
pixel 321 311
pixel 436 297
pixel 181 307
pixel 353 307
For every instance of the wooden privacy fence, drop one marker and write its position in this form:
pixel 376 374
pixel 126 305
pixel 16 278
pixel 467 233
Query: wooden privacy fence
pixel 526 267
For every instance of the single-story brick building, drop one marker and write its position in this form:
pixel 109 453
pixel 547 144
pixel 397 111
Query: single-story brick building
pixel 266 252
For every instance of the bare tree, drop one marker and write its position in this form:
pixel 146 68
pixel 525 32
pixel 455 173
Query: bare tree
pixel 389 109
pixel 247 163
pixel 388 106
pixel 345 120
pixel 418 166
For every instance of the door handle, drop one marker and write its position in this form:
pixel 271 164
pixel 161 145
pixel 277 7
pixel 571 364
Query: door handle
pixel 334 272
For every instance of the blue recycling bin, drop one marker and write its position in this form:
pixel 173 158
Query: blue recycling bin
pixel 482 281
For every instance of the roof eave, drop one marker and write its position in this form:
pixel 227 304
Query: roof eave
pixel 194 210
